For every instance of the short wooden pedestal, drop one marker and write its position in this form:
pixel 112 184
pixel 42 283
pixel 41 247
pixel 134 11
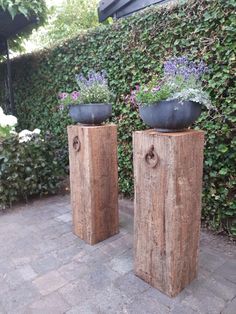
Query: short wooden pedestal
pixel 94 181
pixel 168 184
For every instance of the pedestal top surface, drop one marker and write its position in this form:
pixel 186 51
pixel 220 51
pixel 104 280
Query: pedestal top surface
pixel 169 134
pixel 84 126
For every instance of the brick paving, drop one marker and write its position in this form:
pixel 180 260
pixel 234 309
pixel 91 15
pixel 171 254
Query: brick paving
pixel 45 268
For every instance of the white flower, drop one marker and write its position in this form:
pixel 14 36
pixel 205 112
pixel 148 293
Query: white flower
pixel 7 120
pixel 1 112
pixel 10 120
pixel 36 131
pixel 26 135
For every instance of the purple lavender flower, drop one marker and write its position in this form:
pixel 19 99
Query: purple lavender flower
pixel 93 78
pixel 182 66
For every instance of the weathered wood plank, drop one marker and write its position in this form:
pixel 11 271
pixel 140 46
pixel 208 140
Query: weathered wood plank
pixel 167 207
pixel 94 181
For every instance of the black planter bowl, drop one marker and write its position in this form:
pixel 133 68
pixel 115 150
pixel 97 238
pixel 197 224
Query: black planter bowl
pixel 91 114
pixel 170 115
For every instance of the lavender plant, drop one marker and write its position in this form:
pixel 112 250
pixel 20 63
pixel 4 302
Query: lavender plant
pixel 184 77
pixel 94 88
pixel 182 80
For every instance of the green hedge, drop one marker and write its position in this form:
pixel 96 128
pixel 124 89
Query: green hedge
pixel 131 51
pixel 28 168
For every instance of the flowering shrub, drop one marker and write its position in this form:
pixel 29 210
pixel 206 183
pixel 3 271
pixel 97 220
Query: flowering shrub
pixel 92 89
pixel 182 81
pixel 7 124
pixel 28 166
pixel 67 99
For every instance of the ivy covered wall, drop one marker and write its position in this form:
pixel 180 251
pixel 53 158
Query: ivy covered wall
pixel 131 51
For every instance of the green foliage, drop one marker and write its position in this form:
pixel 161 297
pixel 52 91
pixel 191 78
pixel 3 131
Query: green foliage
pixel 65 21
pixel 27 169
pixel 4 131
pixel 132 51
pixel 28 9
pixel 25 7
pixel 148 94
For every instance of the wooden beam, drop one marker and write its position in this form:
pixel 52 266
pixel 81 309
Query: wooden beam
pixel 94 181
pixel 168 183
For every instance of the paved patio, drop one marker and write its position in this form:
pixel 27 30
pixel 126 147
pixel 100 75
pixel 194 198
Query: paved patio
pixel 45 268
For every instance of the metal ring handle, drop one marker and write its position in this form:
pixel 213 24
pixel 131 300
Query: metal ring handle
pixel 76 143
pixel 151 157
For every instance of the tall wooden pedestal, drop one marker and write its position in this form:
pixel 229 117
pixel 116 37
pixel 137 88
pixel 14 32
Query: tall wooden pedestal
pixel 168 185
pixel 94 181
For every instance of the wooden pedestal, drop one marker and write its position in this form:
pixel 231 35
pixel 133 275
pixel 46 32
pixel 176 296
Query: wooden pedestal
pixel 94 181
pixel 168 184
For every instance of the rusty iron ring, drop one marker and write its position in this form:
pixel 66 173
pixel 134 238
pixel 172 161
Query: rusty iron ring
pixel 76 143
pixel 151 157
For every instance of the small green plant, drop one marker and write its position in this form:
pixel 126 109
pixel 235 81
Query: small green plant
pixel 151 93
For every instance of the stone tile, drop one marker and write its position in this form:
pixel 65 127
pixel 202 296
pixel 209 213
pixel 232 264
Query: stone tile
pixel 66 254
pixel 87 287
pixel 73 270
pixel 142 304
pixel 65 217
pixel 110 300
pixel 182 309
pixel 130 285
pixel 2 310
pixel 11 279
pixel 221 287
pixel 115 249
pixel 75 277
pixel 45 264
pixel 204 301
pixel 84 308
pixel 5 266
pixel 126 206
pixel 27 272
pixel 228 270
pixel 126 222
pixel 123 263
pixel 93 257
pixel 210 260
pixel 19 297
pixel 230 307
pixel 49 282
pixel 100 277
pixel 162 298
pixel 75 293
pixel 21 261
pixel 50 304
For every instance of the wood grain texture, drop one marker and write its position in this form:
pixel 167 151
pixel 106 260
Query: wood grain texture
pixel 94 181
pixel 167 209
